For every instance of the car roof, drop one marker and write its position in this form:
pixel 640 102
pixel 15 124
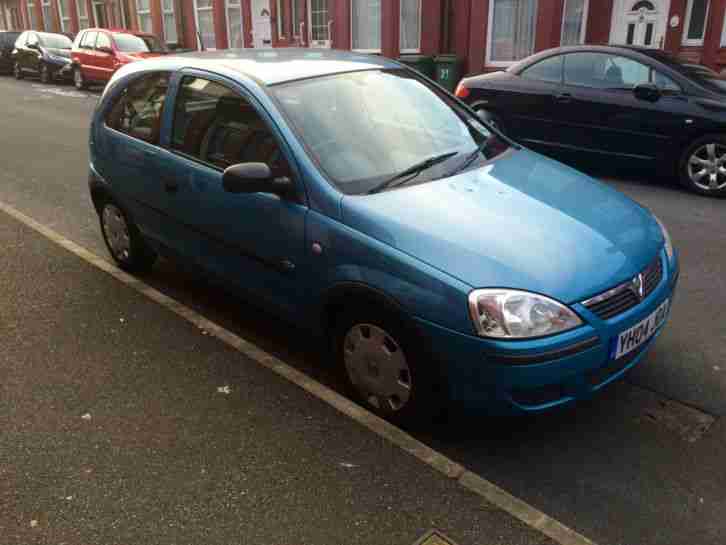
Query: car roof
pixel 119 31
pixel 271 66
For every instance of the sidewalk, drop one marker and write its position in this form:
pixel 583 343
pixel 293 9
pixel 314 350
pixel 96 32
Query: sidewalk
pixel 122 423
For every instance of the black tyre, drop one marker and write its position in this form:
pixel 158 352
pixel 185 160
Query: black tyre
pixel 386 369
pixel 124 240
pixel 702 167
pixel 78 80
pixel 17 72
pixel 45 74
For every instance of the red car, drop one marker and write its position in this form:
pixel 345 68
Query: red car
pixel 99 52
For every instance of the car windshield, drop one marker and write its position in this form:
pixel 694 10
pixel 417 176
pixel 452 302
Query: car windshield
pixel 367 128
pixel 55 41
pixel 128 43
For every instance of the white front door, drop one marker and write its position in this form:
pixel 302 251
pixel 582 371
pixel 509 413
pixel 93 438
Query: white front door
pixel 261 24
pixel 640 22
pixel 319 24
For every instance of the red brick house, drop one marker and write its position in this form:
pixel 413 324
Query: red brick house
pixel 487 34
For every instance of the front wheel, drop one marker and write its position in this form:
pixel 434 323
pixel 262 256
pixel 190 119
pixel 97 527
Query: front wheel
pixel 385 367
pixel 17 71
pixel 124 240
pixel 703 166
pixel 78 81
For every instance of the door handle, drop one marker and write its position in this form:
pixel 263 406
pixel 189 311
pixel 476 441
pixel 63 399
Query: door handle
pixel 171 186
pixel 563 98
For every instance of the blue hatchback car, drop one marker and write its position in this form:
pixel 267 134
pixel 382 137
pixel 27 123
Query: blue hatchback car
pixel 350 195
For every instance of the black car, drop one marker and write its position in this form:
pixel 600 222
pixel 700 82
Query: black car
pixel 606 104
pixel 7 44
pixel 44 54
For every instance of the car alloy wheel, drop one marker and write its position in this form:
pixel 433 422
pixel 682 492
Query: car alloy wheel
pixel 707 167
pixel 116 231
pixel 45 74
pixel 377 367
pixel 17 71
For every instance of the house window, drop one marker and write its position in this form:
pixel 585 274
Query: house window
pixel 511 31
pixel 47 15
pixel 33 16
pixel 410 40
pixel 143 11
pixel 64 10
pixel 695 25
pixel 169 20
pixel 366 25
pixel 574 22
pixel 82 9
pixel 204 19
pixel 234 24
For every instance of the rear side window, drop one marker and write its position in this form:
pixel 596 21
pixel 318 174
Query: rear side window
pixel 214 124
pixel 89 40
pixel 549 70
pixel 138 109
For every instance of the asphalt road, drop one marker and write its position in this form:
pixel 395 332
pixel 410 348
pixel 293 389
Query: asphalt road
pixel 643 463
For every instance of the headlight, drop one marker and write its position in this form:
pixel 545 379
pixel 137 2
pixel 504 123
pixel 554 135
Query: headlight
pixel 667 237
pixel 513 314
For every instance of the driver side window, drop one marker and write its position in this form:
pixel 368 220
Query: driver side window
pixel 138 110
pixel 215 125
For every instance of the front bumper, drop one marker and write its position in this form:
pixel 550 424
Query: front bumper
pixel 510 377
pixel 61 68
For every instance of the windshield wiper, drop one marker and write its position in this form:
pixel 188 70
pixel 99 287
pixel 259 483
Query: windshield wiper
pixel 474 154
pixel 412 172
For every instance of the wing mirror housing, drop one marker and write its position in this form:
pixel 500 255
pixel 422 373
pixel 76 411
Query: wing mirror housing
pixel 647 91
pixel 255 178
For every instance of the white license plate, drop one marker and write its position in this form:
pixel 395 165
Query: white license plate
pixel 633 337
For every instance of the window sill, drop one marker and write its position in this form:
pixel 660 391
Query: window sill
pixel 367 51
pixel 692 43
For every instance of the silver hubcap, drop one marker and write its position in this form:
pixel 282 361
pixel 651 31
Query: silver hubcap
pixel 377 367
pixel 117 232
pixel 78 78
pixel 44 73
pixel 706 167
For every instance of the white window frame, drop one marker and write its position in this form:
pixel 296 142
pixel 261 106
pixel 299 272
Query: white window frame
pixel 490 36
pixel 47 4
pixel 400 23
pixel 197 9
pixel 171 12
pixel 583 31
pixel 687 24
pixel 238 5
pixel 380 49
pixel 723 33
pixel 32 16
pixel 143 12
pixel 65 19
pixel 81 18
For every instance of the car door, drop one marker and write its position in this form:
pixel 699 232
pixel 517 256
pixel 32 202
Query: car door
pixel 254 242
pixel 126 150
pixel 604 116
pixel 87 56
pixel 104 57
pixel 534 104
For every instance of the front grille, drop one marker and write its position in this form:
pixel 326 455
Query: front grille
pixel 624 297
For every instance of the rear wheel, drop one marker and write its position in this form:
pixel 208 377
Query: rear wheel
pixel 17 71
pixel 124 240
pixel 78 79
pixel 703 166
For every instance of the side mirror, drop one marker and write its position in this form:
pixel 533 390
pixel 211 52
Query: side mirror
pixel 33 46
pixel 254 178
pixel 647 91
